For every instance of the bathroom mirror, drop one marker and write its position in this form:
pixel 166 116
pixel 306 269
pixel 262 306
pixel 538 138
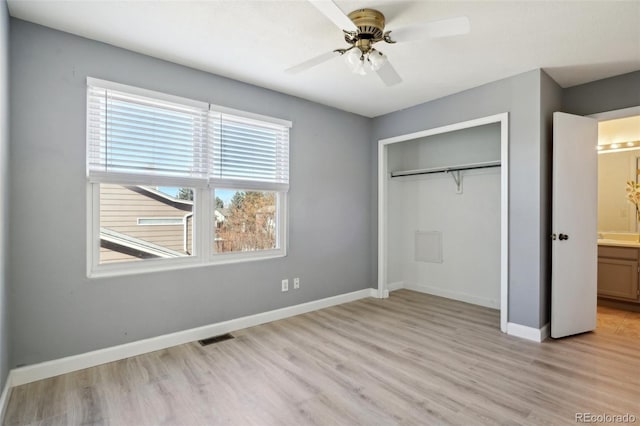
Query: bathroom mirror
pixel 615 212
pixel 618 163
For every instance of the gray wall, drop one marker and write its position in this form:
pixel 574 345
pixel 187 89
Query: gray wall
pixel 520 97
pixel 550 102
pixel 4 190
pixel 609 94
pixel 57 311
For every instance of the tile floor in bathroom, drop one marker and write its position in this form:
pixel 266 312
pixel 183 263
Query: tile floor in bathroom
pixel 617 321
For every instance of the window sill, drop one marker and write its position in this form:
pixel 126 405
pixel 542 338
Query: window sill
pixel 120 270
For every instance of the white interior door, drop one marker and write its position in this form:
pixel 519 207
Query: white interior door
pixel 574 218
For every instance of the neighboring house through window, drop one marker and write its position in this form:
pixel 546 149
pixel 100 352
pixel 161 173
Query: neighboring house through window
pixel 122 238
pixel 175 182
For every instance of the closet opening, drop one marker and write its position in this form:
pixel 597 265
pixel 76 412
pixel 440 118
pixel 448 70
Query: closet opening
pixel 443 212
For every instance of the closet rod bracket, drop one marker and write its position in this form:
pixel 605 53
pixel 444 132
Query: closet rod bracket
pixel 457 178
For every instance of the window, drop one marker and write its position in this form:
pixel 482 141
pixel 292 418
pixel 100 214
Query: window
pixel 249 222
pixel 175 182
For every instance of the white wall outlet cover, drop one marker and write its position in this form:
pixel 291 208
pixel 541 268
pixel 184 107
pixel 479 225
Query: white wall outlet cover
pixel 285 285
pixel 296 283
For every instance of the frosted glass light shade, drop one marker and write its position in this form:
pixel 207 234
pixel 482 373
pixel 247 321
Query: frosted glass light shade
pixel 355 60
pixel 360 69
pixel 362 63
pixel 377 60
pixel 353 57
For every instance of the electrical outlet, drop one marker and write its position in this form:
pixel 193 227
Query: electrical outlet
pixel 296 283
pixel 285 285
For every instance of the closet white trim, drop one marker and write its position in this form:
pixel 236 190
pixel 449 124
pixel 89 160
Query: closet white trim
pixel 383 173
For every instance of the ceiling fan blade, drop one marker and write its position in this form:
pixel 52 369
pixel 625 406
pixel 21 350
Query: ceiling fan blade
pixel 310 63
pixel 389 75
pixel 335 14
pixel 434 29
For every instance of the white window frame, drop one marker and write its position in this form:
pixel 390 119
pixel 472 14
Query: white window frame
pixel 203 206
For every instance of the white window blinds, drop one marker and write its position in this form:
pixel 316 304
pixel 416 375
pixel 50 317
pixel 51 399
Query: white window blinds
pixel 138 135
pixel 154 138
pixel 249 150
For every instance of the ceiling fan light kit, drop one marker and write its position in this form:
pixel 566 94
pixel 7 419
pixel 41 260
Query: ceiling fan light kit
pixel 361 63
pixel 362 57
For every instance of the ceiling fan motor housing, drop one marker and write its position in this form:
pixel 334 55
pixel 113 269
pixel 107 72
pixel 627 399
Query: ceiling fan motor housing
pixel 370 23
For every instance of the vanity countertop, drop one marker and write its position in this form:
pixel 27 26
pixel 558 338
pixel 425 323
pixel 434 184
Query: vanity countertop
pixel 617 243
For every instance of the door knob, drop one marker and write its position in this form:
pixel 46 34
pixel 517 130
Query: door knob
pixel 563 237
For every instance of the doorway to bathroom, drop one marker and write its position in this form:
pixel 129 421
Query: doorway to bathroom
pixel 618 309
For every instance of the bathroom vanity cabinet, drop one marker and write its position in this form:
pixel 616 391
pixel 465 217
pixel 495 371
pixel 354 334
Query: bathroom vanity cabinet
pixel 618 271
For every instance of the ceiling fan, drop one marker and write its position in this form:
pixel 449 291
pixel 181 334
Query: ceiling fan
pixel 363 28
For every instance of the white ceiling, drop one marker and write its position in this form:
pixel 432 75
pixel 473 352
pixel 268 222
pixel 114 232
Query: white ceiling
pixel 255 41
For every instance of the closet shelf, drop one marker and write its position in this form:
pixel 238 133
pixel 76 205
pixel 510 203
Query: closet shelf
pixel 484 165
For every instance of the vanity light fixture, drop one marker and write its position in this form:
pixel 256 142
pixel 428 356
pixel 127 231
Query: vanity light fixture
pixel 618 147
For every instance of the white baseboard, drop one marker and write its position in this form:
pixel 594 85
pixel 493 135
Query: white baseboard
pixel 373 292
pixel 4 397
pixel 529 333
pixel 463 297
pixel 545 332
pixel 398 285
pixel 32 373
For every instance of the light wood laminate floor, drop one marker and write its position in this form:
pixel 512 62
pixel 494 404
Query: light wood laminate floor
pixel 412 359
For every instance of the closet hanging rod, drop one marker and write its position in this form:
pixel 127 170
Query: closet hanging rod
pixel 472 166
